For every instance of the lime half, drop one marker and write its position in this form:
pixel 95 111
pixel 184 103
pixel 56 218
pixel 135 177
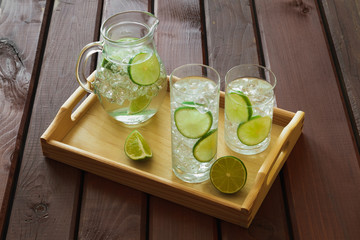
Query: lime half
pixel 254 131
pixel 144 70
pixel 191 123
pixel 205 148
pixel 237 107
pixel 139 104
pixel 136 147
pixel 228 174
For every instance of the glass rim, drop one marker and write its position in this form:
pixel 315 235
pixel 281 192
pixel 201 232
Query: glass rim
pixel 139 41
pixel 254 65
pixel 172 76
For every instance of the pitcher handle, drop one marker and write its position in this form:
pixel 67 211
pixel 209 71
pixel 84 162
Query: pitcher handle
pixel 85 53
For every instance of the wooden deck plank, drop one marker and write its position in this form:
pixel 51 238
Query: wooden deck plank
pixel 45 203
pixel 232 43
pixel 322 175
pixel 179 42
pixel 18 60
pixel 111 210
pixel 171 221
pixel 178 36
pixel 124 216
pixel 342 19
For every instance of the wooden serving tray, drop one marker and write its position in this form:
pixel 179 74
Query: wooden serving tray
pixel 88 139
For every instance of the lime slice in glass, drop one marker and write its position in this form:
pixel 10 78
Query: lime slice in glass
pixel 144 70
pixel 205 148
pixel 139 104
pixel 228 174
pixel 254 131
pixel 136 147
pixel 237 107
pixel 191 123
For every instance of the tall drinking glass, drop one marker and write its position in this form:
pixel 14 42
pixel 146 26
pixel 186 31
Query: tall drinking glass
pixel 194 97
pixel 249 102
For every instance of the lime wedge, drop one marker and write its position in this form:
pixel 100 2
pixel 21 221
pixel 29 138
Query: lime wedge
pixel 228 174
pixel 139 104
pixel 191 123
pixel 136 147
pixel 205 148
pixel 254 131
pixel 144 70
pixel 237 107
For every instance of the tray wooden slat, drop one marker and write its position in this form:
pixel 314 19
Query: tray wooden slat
pixel 87 138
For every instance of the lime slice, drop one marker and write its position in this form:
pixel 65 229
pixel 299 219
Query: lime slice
pixel 228 174
pixel 136 147
pixel 237 107
pixel 144 70
pixel 191 123
pixel 139 104
pixel 205 148
pixel 254 131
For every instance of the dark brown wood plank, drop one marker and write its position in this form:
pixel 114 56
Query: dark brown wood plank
pixel 231 41
pixel 17 59
pixel 178 42
pixel 110 210
pixel 45 203
pixel 322 175
pixel 230 35
pixel 343 23
pixel 178 36
pixel 171 221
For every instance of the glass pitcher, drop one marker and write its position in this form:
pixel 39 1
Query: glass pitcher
pixel 130 79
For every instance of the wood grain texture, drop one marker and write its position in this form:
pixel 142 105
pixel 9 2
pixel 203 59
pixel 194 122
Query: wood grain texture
pixel 230 35
pixel 171 221
pixel 178 37
pixel 322 175
pixel 231 41
pixel 17 59
pixel 45 203
pixel 110 210
pixel 343 23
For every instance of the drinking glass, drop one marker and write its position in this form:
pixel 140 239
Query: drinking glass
pixel 194 101
pixel 249 102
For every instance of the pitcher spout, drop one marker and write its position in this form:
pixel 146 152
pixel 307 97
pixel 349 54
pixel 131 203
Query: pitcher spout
pixel 130 25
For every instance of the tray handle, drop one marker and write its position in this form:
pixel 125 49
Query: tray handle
pixel 66 115
pixel 273 162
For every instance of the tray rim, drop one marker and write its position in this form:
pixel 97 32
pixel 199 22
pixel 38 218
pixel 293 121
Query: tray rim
pixel 238 214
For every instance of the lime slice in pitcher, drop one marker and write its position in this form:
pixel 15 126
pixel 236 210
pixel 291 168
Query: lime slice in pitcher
pixel 228 174
pixel 254 131
pixel 237 107
pixel 139 104
pixel 205 148
pixel 191 123
pixel 144 70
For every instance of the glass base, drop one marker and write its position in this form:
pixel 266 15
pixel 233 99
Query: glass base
pixel 191 177
pixel 248 150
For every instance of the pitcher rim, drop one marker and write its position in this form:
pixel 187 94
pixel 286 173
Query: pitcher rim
pixel 137 41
